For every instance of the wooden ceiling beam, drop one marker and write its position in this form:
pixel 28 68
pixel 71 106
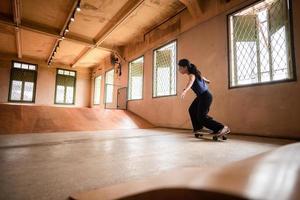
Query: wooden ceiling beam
pixel 17 20
pixel 19 42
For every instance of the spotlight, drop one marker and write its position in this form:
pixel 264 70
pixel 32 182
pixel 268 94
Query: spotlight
pixel 67 30
pixel 78 6
pixel 72 19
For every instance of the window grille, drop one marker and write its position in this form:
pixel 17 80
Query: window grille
pixel 22 82
pixel 135 85
pixel 164 72
pixel 260 44
pixel 65 86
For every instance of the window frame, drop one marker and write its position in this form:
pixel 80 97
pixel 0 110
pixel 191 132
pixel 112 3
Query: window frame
pixel 142 56
pixel 22 91
pixel 176 73
pixel 291 36
pixel 75 82
pixel 94 90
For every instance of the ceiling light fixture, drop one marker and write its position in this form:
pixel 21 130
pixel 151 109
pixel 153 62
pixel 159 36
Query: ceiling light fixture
pixel 78 7
pixel 72 19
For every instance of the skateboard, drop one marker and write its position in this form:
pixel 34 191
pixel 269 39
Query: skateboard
pixel 215 137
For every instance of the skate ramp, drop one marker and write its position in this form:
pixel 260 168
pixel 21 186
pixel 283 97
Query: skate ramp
pixel 40 119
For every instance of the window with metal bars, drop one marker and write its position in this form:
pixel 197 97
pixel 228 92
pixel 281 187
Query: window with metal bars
pixel 164 70
pixel 109 86
pixel 97 90
pixel 65 86
pixel 260 44
pixel 22 82
pixel 135 80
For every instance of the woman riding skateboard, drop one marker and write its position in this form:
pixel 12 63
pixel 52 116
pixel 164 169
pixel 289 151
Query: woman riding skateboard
pixel 199 108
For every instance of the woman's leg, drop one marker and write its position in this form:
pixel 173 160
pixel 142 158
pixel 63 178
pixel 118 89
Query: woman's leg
pixel 193 111
pixel 203 109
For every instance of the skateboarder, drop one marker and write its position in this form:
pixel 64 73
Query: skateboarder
pixel 200 107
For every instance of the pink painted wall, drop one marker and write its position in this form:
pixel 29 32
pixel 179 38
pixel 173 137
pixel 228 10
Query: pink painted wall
pixel 268 110
pixel 45 90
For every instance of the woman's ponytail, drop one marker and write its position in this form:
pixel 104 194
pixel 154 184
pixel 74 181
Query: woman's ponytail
pixel 193 70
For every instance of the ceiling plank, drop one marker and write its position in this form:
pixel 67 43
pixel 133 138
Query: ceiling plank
pixel 115 22
pixel 118 19
pixel 17 19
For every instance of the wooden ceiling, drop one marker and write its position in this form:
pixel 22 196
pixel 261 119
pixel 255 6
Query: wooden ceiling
pixel 36 29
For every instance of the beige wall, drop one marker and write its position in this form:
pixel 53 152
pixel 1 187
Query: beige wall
pixel 45 89
pixel 269 110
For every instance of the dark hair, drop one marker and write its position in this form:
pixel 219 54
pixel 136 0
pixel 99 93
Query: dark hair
pixel 192 69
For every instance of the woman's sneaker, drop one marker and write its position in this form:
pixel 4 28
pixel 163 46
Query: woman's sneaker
pixel 224 131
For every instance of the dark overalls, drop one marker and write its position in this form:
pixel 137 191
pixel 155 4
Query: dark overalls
pixel 200 108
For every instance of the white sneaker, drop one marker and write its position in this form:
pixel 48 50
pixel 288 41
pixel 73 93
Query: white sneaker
pixel 224 131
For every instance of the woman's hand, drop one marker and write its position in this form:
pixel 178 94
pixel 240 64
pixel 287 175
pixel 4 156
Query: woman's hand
pixel 183 94
pixel 206 80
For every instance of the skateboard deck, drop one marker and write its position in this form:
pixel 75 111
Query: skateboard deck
pixel 207 134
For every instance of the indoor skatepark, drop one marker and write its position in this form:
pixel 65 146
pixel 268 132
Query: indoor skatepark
pixel 92 103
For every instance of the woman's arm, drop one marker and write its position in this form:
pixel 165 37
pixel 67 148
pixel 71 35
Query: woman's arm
pixel 189 85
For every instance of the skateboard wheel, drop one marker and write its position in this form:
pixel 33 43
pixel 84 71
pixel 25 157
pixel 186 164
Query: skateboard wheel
pixel 197 135
pixel 215 138
pixel 224 138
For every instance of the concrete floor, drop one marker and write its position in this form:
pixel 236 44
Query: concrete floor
pixel 52 166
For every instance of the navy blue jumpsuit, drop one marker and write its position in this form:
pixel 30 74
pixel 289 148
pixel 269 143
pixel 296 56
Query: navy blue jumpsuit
pixel 199 109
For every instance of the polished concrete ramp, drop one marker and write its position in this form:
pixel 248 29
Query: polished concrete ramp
pixel 56 165
pixel 42 119
pixel 271 175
